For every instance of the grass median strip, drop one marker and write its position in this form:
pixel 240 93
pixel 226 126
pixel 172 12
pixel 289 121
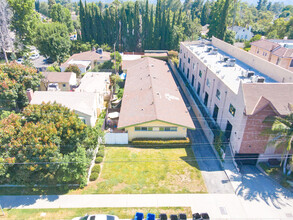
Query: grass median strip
pixel 122 213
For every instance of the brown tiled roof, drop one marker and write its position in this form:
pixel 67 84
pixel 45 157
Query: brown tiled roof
pixel 57 76
pixel 150 93
pixel 259 95
pixel 88 56
pixel 265 44
pixel 284 52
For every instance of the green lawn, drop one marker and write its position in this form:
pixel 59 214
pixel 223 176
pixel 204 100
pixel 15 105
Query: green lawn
pixel 122 213
pixel 130 170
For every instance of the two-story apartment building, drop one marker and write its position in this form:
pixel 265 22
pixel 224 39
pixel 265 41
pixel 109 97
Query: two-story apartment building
pixel 274 52
pixel 237 96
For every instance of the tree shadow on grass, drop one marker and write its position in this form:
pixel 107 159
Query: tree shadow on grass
pixel 257 186
pixel 189 158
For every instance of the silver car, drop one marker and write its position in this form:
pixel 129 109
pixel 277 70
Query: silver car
pixel 97 217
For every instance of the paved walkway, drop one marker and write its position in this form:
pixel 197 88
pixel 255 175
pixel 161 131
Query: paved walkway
pixel 219 206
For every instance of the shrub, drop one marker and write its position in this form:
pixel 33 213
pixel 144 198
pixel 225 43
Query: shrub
pixel 99 160
pixel 96 168
pixel 139 141
pixel 101 153
pixel 94 176
pixel 73 68
pixel 172 53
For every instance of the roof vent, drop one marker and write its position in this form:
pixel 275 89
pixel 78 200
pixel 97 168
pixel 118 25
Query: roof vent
pixel 202 44
pixel 218 71
pixel 152 65
pixel 141 109
pixel 158 93
pixel 209 49
pixel 225 59
pixel 253 79
pixel 205 61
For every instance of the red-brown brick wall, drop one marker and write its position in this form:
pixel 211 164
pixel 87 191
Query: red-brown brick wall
pixel 253 128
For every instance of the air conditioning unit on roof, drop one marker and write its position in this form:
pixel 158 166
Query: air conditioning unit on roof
pixel 231 62
pixel 214 51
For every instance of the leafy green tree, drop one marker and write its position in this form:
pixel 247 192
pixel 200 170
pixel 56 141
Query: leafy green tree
pixel 51 3
pixel 44 8
pixel 53 68
pixel 37 5
pixel 24 19
pixel 15 79
pixel 58 13
pixel 73 68
pixel 281 129
pixel 53 41
pixel 205 13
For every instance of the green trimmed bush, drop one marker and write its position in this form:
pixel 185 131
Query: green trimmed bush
pixel 100 153
pixel 139 141
pixel 99 160
pixel 94 176
pixel 96 168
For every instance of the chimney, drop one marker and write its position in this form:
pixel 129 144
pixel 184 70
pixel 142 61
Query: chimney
pixel 29 94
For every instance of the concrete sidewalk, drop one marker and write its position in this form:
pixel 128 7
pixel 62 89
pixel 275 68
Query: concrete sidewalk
pixel 218 206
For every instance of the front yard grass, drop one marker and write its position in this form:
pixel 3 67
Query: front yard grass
pixel 122 213
pixel 134 170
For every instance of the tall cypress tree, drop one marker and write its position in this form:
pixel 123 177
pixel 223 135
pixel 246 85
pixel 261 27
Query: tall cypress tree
pixel 163 29
pixel 157 30
pixel 136 26
pixel 204 19
pixel 222 29
pixel 151 30
pixel 82 20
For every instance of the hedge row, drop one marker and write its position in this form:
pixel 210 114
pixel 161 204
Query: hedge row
pixel 139 141
pixel 95 172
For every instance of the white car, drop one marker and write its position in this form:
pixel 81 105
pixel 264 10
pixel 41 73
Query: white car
pixel 97 217
pixel 34 56
pixel 53 87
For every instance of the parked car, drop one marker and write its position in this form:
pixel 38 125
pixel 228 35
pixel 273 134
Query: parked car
pixel 97 217
pixel 19 60
pixel 34 56
pixel 53 87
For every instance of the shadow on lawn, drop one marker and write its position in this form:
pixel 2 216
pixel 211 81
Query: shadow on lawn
pixel 257 186
pixel 190 159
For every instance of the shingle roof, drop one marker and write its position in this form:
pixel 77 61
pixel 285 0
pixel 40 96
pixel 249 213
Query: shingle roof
pixel 284 52
pixel 58 76
pixel 88 56
pixel 265 44
pixel 79 101
pixel 150 93
pixel 259 95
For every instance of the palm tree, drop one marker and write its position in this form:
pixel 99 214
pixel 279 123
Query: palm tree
pixel 281 131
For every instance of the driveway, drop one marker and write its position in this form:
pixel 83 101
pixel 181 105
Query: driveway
pixel 215 177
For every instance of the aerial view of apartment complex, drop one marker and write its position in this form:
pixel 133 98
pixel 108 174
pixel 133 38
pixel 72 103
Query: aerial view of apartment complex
pixel 146 110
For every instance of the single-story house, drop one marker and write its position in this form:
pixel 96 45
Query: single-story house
pixel 86 60
pixel 152 106
pixel 65 80
pixel 82 103
pixel 96 82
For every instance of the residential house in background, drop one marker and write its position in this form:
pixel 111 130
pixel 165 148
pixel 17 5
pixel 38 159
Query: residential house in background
pixel 86 60
pixel 242 33
pixel 152 106
pixel 65 81
pixel 238 90
pixel 275 51
pixel 98 83
pixel 82 103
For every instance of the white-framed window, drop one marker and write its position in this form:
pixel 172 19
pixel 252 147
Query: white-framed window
pixel 208 83
pixel 218 94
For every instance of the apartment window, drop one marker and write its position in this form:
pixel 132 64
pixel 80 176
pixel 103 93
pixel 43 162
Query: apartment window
pixel 257 51
pixel 180 50
pixel 198 89
pixel 143 128
pixel 184 55
pixel 208 83
pixel 193 66
pixel 187 73
pixel 82 119
pixel 200 73
pixel 64 85
pixel 232 110
pixel 218 94
pixel 168 128
pixel 291 64
pixel 278 61
pixel 188 60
